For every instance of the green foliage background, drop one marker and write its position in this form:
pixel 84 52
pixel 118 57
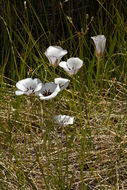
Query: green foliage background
pixel 26 33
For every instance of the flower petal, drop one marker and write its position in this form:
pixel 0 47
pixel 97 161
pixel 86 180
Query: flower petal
pixel 99 41
pixel 38 88
pixel 49 86
pixel 18 92
pixel 23 84
pixel 29 86
pixel 54 54
pixel 72 65
pixel 63 64
pixel 53 60
pixel 64 120
pixel 38 84
pixel 63 83
pixel 37 80
pixel 74 62
pixel 56 51
pixel 54 93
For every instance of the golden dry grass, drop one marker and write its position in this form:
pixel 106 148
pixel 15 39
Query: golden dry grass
pixel 38 154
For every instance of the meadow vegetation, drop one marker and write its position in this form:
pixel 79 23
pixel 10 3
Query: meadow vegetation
pixel 35 152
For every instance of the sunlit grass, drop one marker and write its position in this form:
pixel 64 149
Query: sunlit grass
pixel 35 152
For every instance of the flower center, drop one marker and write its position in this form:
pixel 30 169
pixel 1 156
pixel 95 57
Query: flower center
pixel 47 92
pixel 30 90
pixel 70 68
pixel 61 85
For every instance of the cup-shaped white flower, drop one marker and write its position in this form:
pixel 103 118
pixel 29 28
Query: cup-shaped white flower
pixel 54 54
pixel 63 83
pixel 72 65
pixel 100 42
pixel 49 91
pixel 64 120
pixel 28 86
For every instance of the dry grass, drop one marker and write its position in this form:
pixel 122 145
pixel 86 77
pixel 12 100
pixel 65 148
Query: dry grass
pixel 38 154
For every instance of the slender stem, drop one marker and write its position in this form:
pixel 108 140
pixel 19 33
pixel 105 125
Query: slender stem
pixel 54 72
pixel 86 106
pixel 98 71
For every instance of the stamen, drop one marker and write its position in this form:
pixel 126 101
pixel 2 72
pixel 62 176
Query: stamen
pixel 47 93
pixel 30 90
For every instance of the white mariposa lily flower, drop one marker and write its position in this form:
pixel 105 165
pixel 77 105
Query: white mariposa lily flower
pixel 49 91
pixel 72 65
pixel 64 120
pixel 28 86
pixel 63 83
pixel 54 54
pixel 100 42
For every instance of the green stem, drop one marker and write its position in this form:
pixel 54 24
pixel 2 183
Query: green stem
pixel 98 71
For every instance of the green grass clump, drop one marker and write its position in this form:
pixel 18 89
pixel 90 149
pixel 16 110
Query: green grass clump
pixel 35 152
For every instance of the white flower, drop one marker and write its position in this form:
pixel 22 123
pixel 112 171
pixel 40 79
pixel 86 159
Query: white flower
pixel 63 83
pixel 100 42
pixel 49 91
pixel 72 65
pixel 63 120
pixel 54 54
pixel 28 86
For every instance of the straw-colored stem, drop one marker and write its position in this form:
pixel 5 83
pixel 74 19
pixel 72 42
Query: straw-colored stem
pixel 98 71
